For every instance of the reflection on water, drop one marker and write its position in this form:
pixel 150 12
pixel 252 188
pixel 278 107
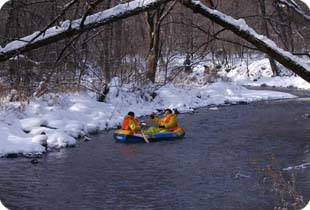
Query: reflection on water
pixel 214 167
pixel 127 151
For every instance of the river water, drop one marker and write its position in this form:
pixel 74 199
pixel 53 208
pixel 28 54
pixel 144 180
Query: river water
pixel 220 164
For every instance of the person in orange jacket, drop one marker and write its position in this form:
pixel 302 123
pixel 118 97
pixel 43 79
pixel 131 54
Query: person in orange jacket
pixel 166 124
pixel 130 123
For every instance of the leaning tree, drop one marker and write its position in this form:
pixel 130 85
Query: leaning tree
pixel 70 28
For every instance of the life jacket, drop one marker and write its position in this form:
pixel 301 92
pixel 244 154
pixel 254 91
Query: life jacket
pixel 166 120
pixel 125 125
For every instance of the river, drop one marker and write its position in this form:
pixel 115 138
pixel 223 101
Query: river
pixel 220 164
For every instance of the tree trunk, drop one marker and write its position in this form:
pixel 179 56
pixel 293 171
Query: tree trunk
pixel 265 30
pixel 153 26
pixel 106 54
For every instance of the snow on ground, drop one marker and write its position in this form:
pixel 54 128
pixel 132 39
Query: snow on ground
pixel 56 122
pixel 259 73
pixel 256 72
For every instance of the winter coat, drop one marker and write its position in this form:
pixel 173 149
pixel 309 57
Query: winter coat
pixel 169 122
pixel 130 124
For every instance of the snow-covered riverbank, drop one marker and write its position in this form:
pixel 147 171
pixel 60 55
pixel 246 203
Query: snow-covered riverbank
pixel 59 121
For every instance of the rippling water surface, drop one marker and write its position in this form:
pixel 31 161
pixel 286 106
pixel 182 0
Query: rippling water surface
pixel 217 166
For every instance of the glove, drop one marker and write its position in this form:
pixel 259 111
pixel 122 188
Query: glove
pixel 152 116
pixel 161 126
pixel 143 125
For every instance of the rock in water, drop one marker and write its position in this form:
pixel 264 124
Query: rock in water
pixel 34 161
pixel 306 116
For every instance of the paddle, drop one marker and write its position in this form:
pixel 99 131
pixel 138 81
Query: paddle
pixel 145 138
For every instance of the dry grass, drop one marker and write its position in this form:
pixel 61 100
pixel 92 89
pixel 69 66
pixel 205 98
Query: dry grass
pixel 284 186
pixel 286 189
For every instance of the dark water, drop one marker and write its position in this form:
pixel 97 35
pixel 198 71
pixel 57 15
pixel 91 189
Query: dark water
pixel 217 166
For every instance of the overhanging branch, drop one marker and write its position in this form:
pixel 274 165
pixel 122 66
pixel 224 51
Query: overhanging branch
pixel 70 28
pixel 295 8
pixel 240 28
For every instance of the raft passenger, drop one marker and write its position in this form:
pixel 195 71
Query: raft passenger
pixel 166 124
pixel 131 124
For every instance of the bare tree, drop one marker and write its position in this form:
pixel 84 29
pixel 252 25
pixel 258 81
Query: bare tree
pixel 154 19
pixel 266 32
pixel 90 23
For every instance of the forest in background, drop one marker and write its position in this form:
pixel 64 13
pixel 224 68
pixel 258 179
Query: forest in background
pixel 136 48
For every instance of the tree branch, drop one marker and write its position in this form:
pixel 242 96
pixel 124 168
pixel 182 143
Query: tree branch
pixel 295 8
pixel 162 17
pixel 240 28
pixel 70 28
pixel 67 6
pixel 90 8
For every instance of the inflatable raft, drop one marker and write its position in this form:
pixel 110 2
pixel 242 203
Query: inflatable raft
pixel 123 136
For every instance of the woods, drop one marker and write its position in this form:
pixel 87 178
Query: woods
pixel 83 44
pixel 218 89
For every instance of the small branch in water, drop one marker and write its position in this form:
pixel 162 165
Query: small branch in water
pixel 240 175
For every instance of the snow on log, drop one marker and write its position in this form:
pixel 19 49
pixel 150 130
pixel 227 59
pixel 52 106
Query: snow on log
pixel 240 28
pixel 295 8
pixel 72 27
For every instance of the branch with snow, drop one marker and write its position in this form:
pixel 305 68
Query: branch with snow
pixel 295 8
pixel 240 28
pixel 70 28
